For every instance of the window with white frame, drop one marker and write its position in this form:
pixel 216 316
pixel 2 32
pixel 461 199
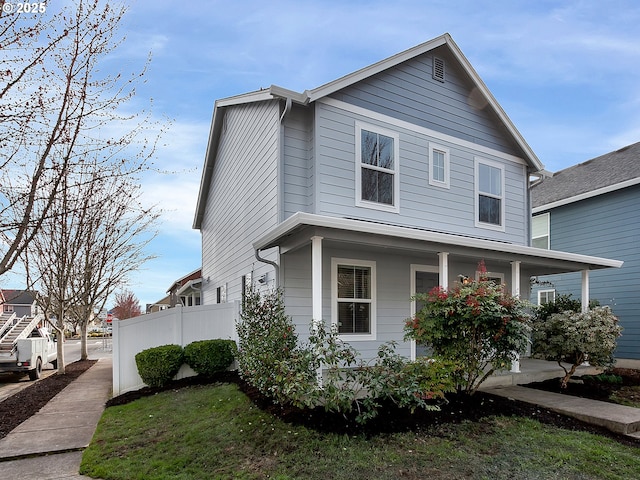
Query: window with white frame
pixel 489 194
pixel 540 236
pixel 546 296
pixel 438 166
pixel 353 295
pixel 377 179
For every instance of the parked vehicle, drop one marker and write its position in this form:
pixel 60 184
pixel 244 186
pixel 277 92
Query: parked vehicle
pixel 26 346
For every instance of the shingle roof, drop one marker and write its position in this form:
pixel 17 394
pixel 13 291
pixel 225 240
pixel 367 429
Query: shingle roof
pixel 600 172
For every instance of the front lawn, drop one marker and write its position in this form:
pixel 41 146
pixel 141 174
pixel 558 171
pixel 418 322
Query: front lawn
pixel 214 431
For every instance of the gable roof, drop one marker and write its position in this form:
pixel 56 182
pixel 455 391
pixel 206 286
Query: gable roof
pixel 309 96
pixel 17 297
pixel 606 173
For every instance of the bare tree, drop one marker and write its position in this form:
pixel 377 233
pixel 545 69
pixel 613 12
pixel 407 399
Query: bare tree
pixel 127 305
pixel 116 228
pixel 55 110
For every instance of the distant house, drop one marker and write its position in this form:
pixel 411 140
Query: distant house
pixel 356 195
pixel 20 302
pixel 160 305
pixel 592 208
pixel 186 290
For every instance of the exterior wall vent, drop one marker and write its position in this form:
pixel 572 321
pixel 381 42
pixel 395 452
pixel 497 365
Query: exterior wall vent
pixel 438 69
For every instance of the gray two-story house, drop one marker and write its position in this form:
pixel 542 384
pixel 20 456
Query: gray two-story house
pixel 593 208
pixel 356 195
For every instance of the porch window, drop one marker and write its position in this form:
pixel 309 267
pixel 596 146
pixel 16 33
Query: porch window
pixel 489 194
pixel 353 298
pixel 546 296
pixel 438 166
pixel 377 179
pixel 540 231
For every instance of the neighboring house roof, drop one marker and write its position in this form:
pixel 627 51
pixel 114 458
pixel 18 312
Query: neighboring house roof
pixel 606 173
pixel 309 96
pixel 17 297
pixel 545 261
pixel 190 278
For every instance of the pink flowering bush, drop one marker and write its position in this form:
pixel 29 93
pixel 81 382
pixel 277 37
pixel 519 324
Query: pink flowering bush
pixel 476 325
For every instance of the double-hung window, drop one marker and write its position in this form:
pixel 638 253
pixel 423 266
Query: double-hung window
pixel 377 179
pixel 489 194
pixel 353 298
pixel 540 231
pixel 438 166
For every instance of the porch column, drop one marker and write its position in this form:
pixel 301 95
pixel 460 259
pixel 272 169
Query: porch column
pixel 585 290
pixel 316 290
pixel 443 269
pixel 515 291
pixel 316 279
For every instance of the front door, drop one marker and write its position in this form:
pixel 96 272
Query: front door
pixel 424 279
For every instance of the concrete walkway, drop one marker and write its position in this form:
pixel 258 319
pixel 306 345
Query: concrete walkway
pixel 49 444
pixel 617 418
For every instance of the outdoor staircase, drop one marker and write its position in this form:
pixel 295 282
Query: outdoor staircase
pixel 13 329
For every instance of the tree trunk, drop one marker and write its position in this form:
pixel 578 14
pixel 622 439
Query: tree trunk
pixel 84 353
pixel 61 339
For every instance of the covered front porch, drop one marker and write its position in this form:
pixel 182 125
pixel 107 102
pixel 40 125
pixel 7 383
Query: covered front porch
pixel 397 262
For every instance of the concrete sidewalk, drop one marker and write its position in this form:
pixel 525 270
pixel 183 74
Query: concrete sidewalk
pixel 48 445
pixel 617 418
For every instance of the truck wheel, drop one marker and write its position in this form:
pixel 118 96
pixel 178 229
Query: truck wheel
pixel 36 372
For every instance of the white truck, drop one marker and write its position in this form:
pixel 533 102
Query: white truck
pixel 26 346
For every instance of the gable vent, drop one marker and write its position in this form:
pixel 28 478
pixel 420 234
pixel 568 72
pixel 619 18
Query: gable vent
pixel 438 69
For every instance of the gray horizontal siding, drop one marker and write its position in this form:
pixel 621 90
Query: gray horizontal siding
pixel 606 226
pixel 297 175
pixel 421 205
pixel 409 93
pixel 243 199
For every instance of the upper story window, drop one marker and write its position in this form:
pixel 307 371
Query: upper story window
pixel 377 179
pixel 489 194
pixel 353 295
pixel 438 166
pixel 540 236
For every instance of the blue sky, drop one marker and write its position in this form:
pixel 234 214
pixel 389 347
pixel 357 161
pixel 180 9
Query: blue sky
pixel 566 72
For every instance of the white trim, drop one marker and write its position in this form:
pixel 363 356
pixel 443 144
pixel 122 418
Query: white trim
pixel 302 218
pixel 441 137
pixel 445 151
pixel 584 196
pixel 491 275
pixel 490 163
pixel 372 301
pixel 359 202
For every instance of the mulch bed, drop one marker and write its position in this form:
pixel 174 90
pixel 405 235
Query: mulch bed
pixel 19 407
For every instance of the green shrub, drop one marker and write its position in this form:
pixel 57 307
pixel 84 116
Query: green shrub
pixel 208 357
pixel 158 365
pixel 270 359
pixel 576 337
pixel 477 326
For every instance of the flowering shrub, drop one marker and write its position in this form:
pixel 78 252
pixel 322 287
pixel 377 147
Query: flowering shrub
pixel 575 337
pixel 477 326
pixel 270 358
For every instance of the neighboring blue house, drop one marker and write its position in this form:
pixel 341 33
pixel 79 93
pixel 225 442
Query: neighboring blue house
pixel 593 208
pixel 357 194
pixel 21 302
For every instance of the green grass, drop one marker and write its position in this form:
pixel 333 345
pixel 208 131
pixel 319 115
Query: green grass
pixel 210 432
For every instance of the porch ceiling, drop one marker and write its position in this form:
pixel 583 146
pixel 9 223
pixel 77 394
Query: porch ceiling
pixel 300 227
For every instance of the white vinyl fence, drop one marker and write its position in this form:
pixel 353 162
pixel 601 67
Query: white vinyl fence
pixel 179 326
